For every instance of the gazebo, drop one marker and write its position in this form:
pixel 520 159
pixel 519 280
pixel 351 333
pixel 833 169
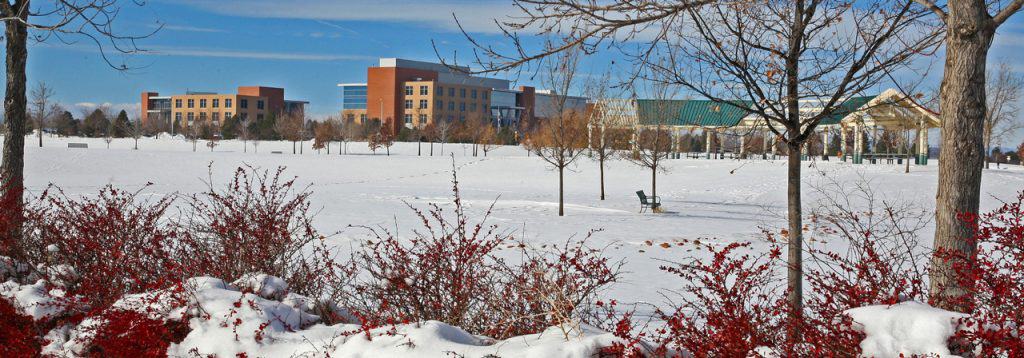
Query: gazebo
pixel 862 117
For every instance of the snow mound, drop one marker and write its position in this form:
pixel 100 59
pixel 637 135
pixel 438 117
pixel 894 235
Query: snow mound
pixel 35 299
pixel 908 328
pixel 256 316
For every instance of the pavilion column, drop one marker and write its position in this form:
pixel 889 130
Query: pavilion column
pixel 922 145
pixel 764 144
pixel 743 146
pixel 824 141
pixel 707 144
pixel 874 143
pixel 842 142
pixel 775 147
pixel 858 144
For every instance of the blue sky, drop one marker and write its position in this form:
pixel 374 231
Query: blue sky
pixel 305 46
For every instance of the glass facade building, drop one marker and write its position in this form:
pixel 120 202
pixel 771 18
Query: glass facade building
pixel 353 96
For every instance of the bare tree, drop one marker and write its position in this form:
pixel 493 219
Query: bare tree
pixel 653 140
pixel 136 130
pixel 773 55
pixel 1003 93
pixel 443 131
pixel 66 21
pixel 560 140
pixel 603 132
pixel 244 133
pixel 971 27
pixel 290 127
pixel 43 109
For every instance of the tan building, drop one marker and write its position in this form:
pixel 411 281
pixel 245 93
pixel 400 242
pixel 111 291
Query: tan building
pixel 250 103
pixel 425 102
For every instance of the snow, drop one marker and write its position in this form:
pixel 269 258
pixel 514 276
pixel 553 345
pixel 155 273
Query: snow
pixel 723 200
pixel 34 299
pixel 719 201
pixel 905 329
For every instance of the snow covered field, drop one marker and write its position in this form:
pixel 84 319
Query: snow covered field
pixel 727 200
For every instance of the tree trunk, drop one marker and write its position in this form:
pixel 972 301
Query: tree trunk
pixel 561 191
pixel 795 236
pixel 39 132
pixel 969 36
pixel 293 148
pixel 600 164
pixel 12 168
pixel 654 180
pixel 431 148
pixel 419 148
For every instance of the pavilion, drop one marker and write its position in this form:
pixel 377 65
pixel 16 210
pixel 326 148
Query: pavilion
pixel 861 117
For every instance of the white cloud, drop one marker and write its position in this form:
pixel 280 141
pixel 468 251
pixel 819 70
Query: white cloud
pixel 112 108
pixel 169 27
pixel 475 16
pixel 287 56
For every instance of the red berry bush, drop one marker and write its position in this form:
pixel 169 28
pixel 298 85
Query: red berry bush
pixel 457 272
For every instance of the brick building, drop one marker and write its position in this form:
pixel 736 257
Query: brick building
pixel 251 102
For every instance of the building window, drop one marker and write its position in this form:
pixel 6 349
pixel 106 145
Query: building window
pixel 451 117
pixel 462 106
pixel 227 103
pixel 202 116
pixel 177 103
pixel 424 103
pixel 408 119
pixel 216 103
pixel 451 92
pixel 244 116
pixel 440 91
pixel 227 115
pixel 243 103
pixel 362 117
pixel 215 116
pixel 177 116
pixel 423 119
pixel 408 90
pixel 424 90
pixel 451 106
pixel 202 103
pixel 440 104
pixel 259 104
pixel 191 117
pixel 462 92
pixel 484 94
pixel 472 93
pixel 408 104
pixel 191 103
pixel 472 107
pixel 462 118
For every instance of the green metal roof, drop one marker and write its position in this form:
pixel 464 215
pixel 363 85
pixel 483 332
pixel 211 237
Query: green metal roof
pixel 847 108
pixel 703 113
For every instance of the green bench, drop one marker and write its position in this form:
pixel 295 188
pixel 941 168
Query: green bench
pixel 652 203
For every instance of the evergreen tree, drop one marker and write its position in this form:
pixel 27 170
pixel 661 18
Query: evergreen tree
pixel 95 125
pixel 230 128
pixel 122 125
pixel 66 125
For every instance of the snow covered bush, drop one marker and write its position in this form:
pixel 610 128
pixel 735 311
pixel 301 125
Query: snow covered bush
pixel 99 248
pixel 729 305
pixel 134 334
pixel 464 274
pixel 18 336
pixel 861 251
pixel 260 222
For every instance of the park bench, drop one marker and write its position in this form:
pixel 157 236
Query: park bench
pixel 78 145
pixel 652 203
